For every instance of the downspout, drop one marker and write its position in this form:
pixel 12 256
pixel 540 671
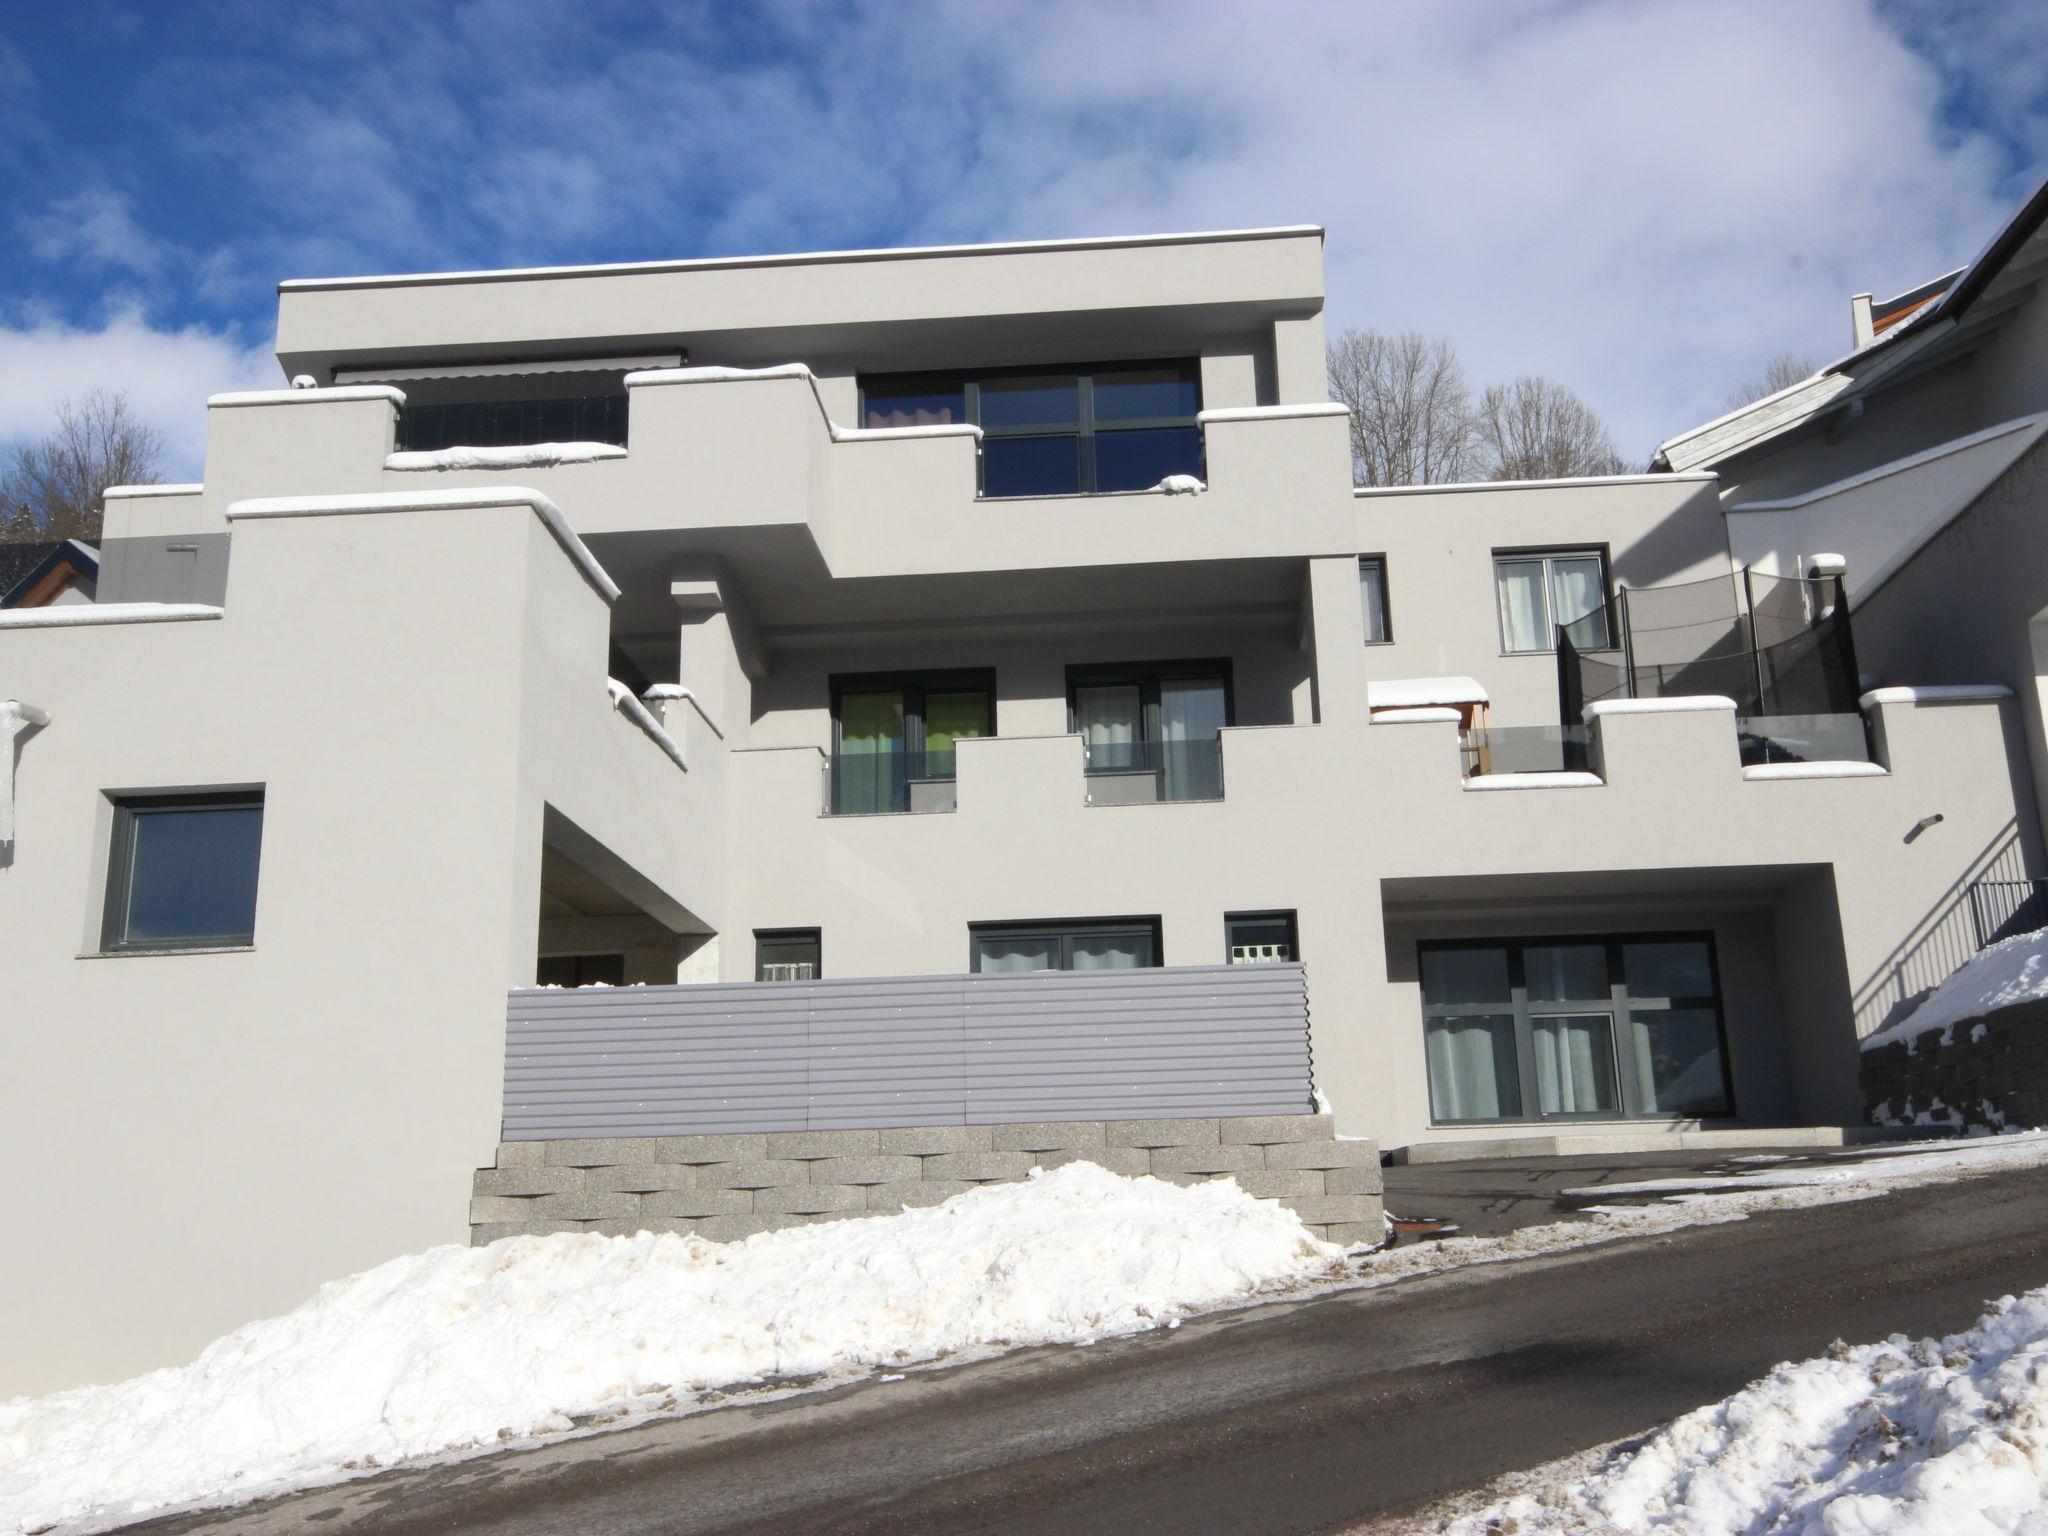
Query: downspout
pixel 15 717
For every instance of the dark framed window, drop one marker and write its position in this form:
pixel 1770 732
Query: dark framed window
pixel 1158 719
pixel 895 731
pixel 182 871
pixel 1091 944
pixel 1372 595
pixel 513 423
pixel 580 971
pixel 1260 938
pixel 1588 1026
pixel 1543 590
pixel 1068 430
pixel 788 954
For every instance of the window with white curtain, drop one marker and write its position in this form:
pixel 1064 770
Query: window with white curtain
pixel 1599 1027
pixel 1099 944
pixel 1541 591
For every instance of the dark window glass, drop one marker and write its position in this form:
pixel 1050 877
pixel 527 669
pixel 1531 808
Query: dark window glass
pixel 935 405
pixel 513 423
pixel 1116 945
pixel 1372 595
pixel 1462 976
pixel 1031 466
pixel 580 971
pixel 1139 460
pixel 1678 1061
pixel 1261 938
pixel 185 872
pixel 789 954
pixel 1559 973
pixel 1680 968
pixel 1153 394
pixel 1030 405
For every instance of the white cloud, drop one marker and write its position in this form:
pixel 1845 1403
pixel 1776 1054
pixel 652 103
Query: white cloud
pixel 96 227
pixel 166 374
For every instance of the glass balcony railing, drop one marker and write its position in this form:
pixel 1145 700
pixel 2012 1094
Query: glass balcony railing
pixel 1802 739
pixel 1527 749
pixel 1152 772
pixel 890 783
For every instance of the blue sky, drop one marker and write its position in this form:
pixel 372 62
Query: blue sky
pixel 1646 201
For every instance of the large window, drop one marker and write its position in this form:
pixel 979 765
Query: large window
pixel 1058 431
pixel 1149 732
pixel 895 737
pixel 788 954
pixel 182 871
pixel 1106 944
pixel 1579 1027
pixel 1541 591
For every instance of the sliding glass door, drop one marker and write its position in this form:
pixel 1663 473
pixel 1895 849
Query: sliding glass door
pixel 1598 1027
pixel 1156 722
pixel 895 735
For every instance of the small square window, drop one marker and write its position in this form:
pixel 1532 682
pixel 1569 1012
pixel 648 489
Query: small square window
pixel 1261 938
pixel 1372 594
pixel 182 871
pixel 788 954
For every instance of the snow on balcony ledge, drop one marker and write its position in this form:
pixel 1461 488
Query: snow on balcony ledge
pixel 522 456
pixel 897 434
pixel 76 615
pixel 1272 412
pixel 307 396
pixel 709 374
pixel 165 489
pixel 1428 714
pixel 624 702
pixel 1485 781
pixel 1847 768
pixel 1411 692
pixel 1943 693
pixel 1679 704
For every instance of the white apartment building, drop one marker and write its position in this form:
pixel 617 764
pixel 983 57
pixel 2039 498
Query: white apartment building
pixel 718 743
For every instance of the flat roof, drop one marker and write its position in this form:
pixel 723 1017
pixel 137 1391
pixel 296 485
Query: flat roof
pixel 802 258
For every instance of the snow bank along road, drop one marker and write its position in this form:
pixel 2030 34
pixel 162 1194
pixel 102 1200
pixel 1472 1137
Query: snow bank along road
pixel 1305 1417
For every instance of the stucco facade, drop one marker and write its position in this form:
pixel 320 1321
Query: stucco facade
pixel 409 658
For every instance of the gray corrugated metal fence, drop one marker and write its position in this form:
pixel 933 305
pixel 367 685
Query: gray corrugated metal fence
pixel 907 1050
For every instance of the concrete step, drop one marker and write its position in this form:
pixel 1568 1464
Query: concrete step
pixel 1602 1140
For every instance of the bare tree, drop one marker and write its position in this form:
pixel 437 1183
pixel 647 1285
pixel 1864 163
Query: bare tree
pixel 52 487
pixel 1781 372
pixel 1411 415
pixel 1536 429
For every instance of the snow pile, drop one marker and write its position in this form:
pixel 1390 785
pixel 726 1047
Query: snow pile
pixel 1935 1436
pixel 1873 1166
pixel 521 456
pixel 2012 971
pixel 461 1349
pixel 1181 485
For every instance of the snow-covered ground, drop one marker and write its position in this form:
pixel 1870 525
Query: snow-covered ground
pixel 2011 971
pixel 459 1349
pixel 1935 1437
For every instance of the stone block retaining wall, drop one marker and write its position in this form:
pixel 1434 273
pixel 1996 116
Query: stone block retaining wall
pixel 729 1186
pixel 1991 1073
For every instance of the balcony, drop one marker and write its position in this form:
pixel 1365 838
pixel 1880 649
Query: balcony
pixel 1153 772
pixel 891 783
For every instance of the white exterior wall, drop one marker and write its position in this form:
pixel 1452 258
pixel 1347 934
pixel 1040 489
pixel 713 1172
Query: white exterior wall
pixel 417 691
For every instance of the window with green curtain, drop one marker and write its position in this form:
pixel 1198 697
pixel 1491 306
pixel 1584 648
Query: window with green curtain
pixel 950 718
pixel 869 765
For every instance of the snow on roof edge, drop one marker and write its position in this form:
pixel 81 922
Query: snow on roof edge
pixel 1678 477
pixel 326 396
pixel 68 615
pixel 180 488
pixel 1893 466
pixel 472 498
pixel 799 258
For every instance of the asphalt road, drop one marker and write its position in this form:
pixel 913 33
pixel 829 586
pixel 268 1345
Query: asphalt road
pixel 1277 1420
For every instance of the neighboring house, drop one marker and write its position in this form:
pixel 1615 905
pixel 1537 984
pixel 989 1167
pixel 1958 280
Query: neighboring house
pixel 63 571
pixel 1043 752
